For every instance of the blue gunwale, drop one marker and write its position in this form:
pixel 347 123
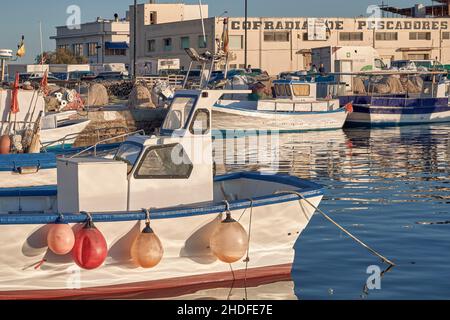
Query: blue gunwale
pixel 12 162
pixel 307 188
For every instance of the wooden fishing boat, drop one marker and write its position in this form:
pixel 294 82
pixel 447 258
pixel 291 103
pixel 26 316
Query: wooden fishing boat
pixel 295 109
pixel 197 228
pixel 55 129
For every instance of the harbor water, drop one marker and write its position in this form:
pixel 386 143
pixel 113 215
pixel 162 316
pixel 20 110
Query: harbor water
pixel 388 186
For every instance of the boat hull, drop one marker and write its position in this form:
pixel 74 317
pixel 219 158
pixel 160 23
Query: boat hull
pixel 64 135
pixel 275 222
pixel 235 119
pixel 397 111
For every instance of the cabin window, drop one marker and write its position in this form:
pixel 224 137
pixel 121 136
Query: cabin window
pixel 301 90
pixel 288 91
pixel 179 113
pixel 282 90
pixel 128 153
pixel 201 122
pixel 165 162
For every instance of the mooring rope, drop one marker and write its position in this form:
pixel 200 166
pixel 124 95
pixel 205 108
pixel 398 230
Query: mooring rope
pixel 386 260
pixel 247 259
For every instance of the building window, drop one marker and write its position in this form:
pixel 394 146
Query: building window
pixel 202 44
pixel 92 49
pixel 445 35
pixel 420 36
pixel 351 36
pixel 153 17
pixel 418 56
pixel 78 49
pixel 167 44
pixel 185 43
pixel 276 36
pixel 151 45
pixel 236 42
pixel 386 36
pixel 115 52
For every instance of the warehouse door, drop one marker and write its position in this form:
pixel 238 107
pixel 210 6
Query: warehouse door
pixel 307 60
pixel 345 66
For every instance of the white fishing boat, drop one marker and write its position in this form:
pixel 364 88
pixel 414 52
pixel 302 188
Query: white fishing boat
pixel 294 109
pixel 55 128
pixel 204 229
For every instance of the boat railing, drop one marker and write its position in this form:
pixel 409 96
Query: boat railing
pixel 62 142
pixel 94 147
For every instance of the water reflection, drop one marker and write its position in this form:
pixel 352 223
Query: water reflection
pixel 389 186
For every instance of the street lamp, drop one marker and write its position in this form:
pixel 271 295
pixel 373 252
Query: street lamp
pixel 246 36
pixel 135 38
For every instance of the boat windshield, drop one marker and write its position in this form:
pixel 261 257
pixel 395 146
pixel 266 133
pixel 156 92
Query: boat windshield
pixel 128 153
pixel 179 113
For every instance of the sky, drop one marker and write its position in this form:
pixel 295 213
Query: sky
pixel 22 17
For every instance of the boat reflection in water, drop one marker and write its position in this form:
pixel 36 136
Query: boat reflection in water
pixel 270 288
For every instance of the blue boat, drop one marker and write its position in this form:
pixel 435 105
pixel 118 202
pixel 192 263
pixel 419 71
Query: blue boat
pixel 427 103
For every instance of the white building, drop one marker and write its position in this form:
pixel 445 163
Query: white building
pixel 278 44
pixel 159 18
pixel 101 41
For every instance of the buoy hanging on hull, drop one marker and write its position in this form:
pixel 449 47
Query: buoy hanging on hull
pixel 61 239
pixel 147 250
pixel 229 242
pixel 5 144
pixel 90 250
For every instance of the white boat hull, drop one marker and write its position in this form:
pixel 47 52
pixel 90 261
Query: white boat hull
pixel 65 134
pixel 274 222
pixel 225 118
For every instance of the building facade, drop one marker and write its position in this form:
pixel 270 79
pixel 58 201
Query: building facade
pixel 102 41
pixel 284 44
pixel 159 18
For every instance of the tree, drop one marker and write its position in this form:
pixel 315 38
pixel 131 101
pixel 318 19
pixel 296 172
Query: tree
pixel 61 56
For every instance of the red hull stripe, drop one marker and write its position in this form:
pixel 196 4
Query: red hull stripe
pixel 161 288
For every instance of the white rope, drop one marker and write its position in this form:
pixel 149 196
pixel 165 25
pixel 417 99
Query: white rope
pixel 341 228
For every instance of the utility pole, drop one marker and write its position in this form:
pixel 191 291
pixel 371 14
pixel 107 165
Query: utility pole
pixel 246 36
pixel 134 39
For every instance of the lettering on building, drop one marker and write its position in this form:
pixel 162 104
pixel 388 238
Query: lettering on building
pixel 361 25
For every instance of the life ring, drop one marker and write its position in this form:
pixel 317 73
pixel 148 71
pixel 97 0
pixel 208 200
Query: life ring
pixel 59 96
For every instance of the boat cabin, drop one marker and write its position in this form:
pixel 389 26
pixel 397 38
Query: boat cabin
pixel 295 90
pixel 296 96
pixel 171 169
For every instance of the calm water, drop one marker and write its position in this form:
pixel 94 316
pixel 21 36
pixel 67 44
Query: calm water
pixel 390 187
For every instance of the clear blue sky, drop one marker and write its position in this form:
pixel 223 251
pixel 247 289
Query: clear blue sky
pixel 22 16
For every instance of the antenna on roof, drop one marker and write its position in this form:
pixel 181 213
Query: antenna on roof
pixel 203 22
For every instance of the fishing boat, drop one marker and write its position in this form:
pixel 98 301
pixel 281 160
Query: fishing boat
pixel 295 108
pixel 31 170
pixel 78 239
pixel 55 128
pixel 393 98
